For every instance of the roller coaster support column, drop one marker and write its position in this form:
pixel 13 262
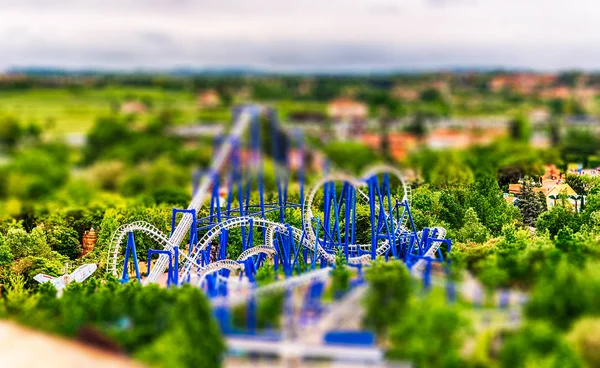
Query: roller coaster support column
pixel 389 221
pixel 193 227
pixel 151 252
pixel 372 187
pixel 348 208
pixel 315 253
pixel 427 274
pixel 302 164
pixel 251 313
pixel 222 312
pixel 130 252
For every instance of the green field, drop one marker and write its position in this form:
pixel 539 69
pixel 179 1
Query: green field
pixel 63 111
pixel 74 111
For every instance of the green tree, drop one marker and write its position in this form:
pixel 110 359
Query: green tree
pixel 65 241
pixel 387 296
pixel 10 131
pixel 564 293
pixel 529 203
pixel 578 183
pixel 538 344
pixel 578 145
pixel 340 276
pixel 450 171
pixel 472 229
pixel 418 125
pixel 107 132
pixel 520 128
pixel 584 337
pixel 559 217
pixel 19 242
pixel 193 338
pixel 6 256
pixel 36 173
pixel 429 334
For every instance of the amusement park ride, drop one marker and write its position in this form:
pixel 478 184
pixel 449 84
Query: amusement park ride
pixel 233 191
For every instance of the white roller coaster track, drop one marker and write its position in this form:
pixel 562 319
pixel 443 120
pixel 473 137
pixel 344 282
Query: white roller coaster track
pixel 289 283
pixel 203 189
pixel 144 227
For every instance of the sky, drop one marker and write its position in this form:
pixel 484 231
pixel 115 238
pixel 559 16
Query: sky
pixel 301 35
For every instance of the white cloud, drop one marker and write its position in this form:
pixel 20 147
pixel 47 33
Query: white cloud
pixel 308 34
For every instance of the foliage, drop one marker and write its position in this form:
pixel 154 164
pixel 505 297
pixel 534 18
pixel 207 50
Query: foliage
pixel 578 145
pixel 472 229
pixel 529 203
pixel 387 296
pixel 159 326
pixel 538 344
pixel 430 333
pixel 584 337
pixel 450 171
pixel 350 155
pixel 37 173
pixel 340 276
pixel 520 128
pixel 558 218
pixel 564 293
pixel 6 256
pixel 64 240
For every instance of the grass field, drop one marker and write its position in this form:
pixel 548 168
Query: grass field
pixel 66 111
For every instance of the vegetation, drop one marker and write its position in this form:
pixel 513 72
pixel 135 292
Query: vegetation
pixel 131 167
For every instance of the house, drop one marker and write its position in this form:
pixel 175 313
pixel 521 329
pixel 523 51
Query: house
pixel 208 99
pixel 585 96
pixel 347 109
pixel 553 190
pixel 448 138
pixel 525 83
pixel 556 93
pixel 551 172
pixel 400 144
pixel 553 195
pixel 405 93
pixel 133 107
pixel 539 115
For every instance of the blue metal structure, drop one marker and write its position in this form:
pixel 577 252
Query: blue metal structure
pixel 237 200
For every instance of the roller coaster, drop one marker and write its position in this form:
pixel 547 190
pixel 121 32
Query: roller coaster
pixel 240 231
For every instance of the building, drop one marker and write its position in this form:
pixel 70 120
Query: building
pixel 585 96
pixel 556 93
pixel 539 115
pixel 553 196
pixel 553 190
pixel 133 107
pixel 400 144
pixel 347 109
pixel 405 93
pixel 551 172
pixel 525 83
pixel 208 99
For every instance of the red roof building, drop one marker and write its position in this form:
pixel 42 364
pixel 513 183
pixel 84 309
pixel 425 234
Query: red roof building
pixel 347 109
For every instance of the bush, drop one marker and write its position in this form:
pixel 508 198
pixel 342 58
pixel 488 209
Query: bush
pixel 387 296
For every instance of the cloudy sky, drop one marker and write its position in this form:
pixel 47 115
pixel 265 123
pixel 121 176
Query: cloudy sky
pixel 288 35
